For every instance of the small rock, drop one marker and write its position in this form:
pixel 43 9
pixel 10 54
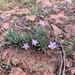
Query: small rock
pixel 73 72
pixel 48 34
pixel 17 71
pixel 4 55
pixel 9 5
pixel 73 54
pixel 31 18
pixel 62 41
pixel 49 54
pixel 47 3
pixel 0 12
pixel 1 37
pixel 5 26
pixel 15 61
pixel 68 63
pixel 24 11
pixel 70 29
pixel 69 1
pixel 6 15
pixel 12 12
pixel 57 31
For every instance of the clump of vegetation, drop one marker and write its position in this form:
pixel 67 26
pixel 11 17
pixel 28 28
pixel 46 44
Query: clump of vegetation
pixel 74 1
pixel 40 36
pixel 2 4
pixel 37 39
pixel 16 39
pixel 69 49
pixel 72 19
pixel 32 5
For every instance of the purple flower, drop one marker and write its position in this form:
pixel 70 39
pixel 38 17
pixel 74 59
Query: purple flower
pixel 26 46
pixel 52 45
pixel 42 23
pixel 34 42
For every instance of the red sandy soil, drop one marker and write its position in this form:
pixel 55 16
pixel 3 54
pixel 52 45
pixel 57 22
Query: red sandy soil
pixel 30 62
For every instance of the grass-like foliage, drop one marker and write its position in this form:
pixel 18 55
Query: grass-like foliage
pixel 69 49
pixel 18 40
pixel 32 5
pixel 74 1
pixel 40 36
pixel 26 1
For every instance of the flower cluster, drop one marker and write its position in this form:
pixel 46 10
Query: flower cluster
pixel 37 39
pixel 34 42
pixel 52 45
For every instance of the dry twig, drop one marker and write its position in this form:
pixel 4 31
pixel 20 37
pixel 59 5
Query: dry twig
pixel 61 64
pixel 63 53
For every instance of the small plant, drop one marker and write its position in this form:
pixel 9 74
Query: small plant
pixel 27 38
pixel 38 40
pixel 40 36
pixel 16 39
pixel 73 40
pixel 2 4
pixel 41 67
pixel 32 5
pixel 72 19
pixel 74 1
pixel 34 9
pixel 69 49
pixel 25 1
pixel 20 41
